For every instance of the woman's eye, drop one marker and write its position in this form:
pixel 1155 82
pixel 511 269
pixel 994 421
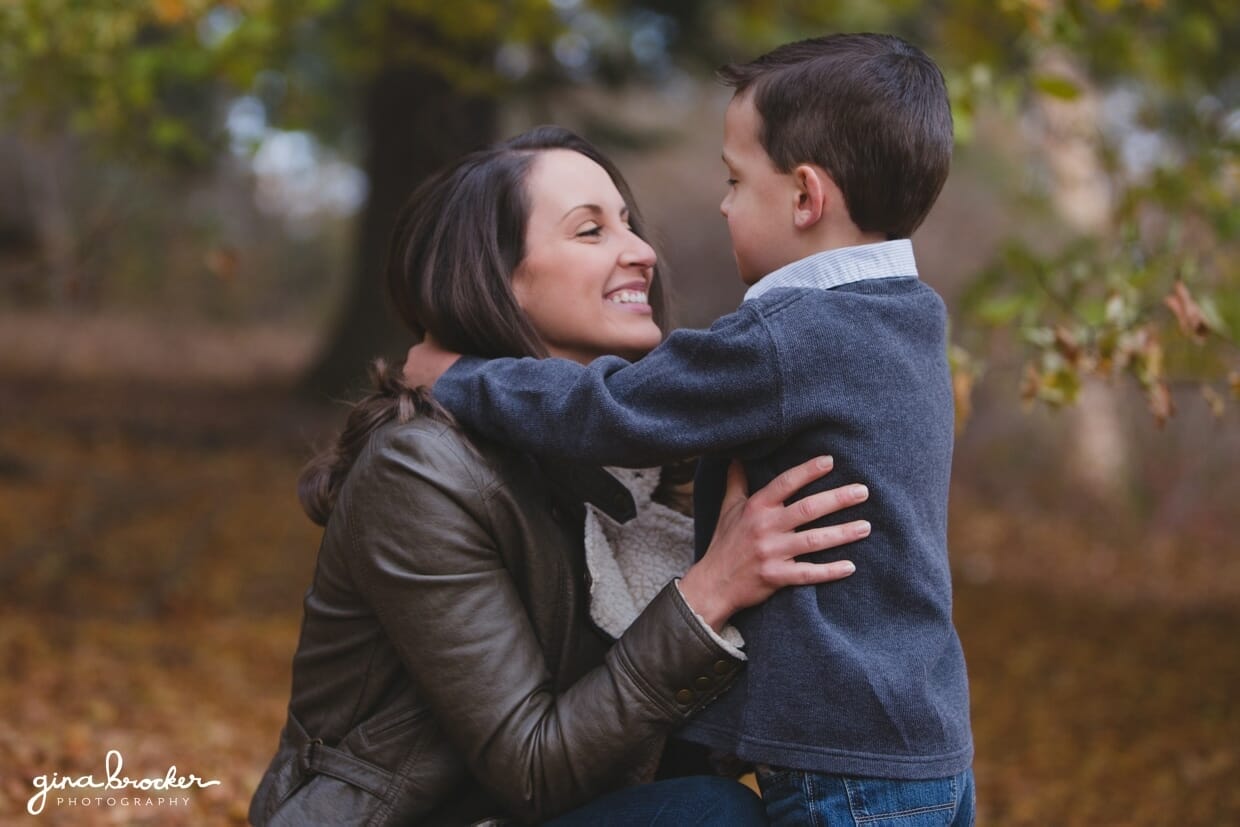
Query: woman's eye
pixel 592 232
pixel 731 182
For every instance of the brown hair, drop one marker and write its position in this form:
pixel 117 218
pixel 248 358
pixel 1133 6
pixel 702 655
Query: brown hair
pixel 457 242
pixel 870 109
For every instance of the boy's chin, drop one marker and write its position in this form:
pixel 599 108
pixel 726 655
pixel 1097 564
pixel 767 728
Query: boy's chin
pixel 749 275
pixel 749 279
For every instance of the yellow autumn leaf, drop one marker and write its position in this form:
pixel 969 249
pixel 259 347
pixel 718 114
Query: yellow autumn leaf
pixel 1214 400
pixel 1161 405
pixel 170 12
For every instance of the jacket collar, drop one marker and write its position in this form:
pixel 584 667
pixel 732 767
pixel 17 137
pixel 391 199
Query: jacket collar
pixel 591 484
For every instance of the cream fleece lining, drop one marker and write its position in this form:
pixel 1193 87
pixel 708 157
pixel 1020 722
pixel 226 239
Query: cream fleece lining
pixel 631 562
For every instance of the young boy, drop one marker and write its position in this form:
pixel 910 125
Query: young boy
pixel 855 705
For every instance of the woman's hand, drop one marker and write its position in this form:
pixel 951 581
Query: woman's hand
pixel 753 552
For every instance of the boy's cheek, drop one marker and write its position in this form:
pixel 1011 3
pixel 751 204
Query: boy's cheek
pixel 742 240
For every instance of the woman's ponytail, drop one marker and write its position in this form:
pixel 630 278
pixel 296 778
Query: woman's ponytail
pixel 391 399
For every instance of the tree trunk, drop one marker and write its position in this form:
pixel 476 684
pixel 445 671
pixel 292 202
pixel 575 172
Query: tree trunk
pixel 1082 196
pixel 416 122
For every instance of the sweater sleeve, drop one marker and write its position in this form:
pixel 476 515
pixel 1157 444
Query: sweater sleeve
pixel 701 391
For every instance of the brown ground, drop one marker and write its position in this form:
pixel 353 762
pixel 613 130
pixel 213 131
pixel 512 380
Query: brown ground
pixel 152 558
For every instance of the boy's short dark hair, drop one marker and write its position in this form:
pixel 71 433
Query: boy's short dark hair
pixel 870 109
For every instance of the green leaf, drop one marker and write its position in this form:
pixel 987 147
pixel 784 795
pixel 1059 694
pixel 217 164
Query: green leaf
pixel 1040 337
pixel 169 133
pixel 1001 310
pixel 1057 86
pixel 1209 312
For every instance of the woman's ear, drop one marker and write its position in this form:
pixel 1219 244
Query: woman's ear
pixel 814 188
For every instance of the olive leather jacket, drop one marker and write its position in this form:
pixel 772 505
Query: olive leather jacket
pixel 447 670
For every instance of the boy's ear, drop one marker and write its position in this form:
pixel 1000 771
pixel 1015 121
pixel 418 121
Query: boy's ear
pixel 814 190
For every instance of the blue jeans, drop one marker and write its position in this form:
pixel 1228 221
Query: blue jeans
pixel 796 797
pixel 701 800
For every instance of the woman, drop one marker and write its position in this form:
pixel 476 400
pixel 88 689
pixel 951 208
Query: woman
pixel 448 670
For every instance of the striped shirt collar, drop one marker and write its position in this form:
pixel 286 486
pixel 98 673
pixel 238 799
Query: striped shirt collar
pixel 832 268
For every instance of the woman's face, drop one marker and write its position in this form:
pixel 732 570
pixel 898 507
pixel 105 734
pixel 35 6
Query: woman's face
pixel 585 277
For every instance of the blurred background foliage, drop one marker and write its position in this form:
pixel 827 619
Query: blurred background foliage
pixel 195 199
pixel 1131 108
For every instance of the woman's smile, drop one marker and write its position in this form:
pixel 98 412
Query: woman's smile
pixel 630 298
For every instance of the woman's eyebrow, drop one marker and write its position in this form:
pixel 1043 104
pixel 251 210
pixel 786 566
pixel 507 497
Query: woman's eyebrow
pixel 595 209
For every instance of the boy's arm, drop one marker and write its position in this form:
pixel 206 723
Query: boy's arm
pixel 699 392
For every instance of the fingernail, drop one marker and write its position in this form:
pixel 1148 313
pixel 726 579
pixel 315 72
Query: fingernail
pixel 847 566
pixel 860 492
pixel 826 462
pixel 863 529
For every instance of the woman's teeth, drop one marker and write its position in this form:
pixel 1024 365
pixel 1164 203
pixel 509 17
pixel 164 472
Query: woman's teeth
pixel 628 297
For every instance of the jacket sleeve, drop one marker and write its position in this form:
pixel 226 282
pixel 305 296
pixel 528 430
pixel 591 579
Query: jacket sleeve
pixel 699 392
pixel 425 556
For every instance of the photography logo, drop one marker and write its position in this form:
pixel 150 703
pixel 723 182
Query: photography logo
pixel 114 789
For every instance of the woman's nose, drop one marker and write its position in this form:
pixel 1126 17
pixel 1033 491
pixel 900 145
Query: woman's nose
pixel 638 253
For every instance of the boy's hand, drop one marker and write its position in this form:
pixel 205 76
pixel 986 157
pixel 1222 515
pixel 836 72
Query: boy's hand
pixel 426 362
